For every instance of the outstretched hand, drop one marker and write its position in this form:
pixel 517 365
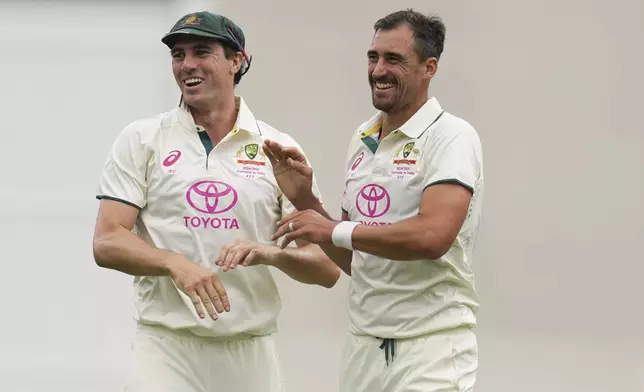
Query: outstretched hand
pixel 246 253
pixel 294 176
pixel 305 225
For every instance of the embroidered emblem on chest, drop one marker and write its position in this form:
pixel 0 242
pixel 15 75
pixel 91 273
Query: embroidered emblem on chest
pixel 405 158
pixel 251 160
pixel 406 155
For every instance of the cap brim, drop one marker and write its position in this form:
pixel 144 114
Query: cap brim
pixel 171 38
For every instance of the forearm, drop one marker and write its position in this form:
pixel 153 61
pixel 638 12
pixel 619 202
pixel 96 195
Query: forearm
pixel 340 256
pixel 407 240
pixel 308 264
pixel 123 251
pixel 312 203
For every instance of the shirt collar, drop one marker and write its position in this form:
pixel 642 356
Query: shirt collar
pixel 422 119
pixel 414 127
pixel 245 118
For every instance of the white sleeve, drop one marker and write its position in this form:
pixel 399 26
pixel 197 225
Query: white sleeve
pixel 344 199
pixel 454 158
pixel 123 177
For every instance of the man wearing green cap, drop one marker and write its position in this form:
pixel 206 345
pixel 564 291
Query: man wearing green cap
pixel 188 206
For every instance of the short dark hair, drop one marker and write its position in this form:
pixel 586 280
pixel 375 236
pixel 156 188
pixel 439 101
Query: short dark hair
pixel 229 53
pixel 429 31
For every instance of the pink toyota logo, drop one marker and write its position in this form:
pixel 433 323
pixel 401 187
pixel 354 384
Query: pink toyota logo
pixel 211 197
pixel 373 201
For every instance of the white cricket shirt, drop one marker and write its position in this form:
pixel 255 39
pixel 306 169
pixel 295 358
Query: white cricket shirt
pixel 194 199
pixel 384 184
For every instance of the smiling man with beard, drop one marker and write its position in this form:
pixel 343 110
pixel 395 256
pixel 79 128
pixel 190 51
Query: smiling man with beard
pixel 181 196
pixel 410 216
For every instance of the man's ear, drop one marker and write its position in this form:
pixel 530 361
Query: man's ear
pixel 431 67
pixel 238 61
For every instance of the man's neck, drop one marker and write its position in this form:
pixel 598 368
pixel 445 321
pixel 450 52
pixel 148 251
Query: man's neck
pixel 393 121
pixel 217 120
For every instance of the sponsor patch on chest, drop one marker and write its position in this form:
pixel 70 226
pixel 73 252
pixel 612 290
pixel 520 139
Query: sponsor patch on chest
pixel 212 203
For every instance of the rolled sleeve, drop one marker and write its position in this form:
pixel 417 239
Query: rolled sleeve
pixel 123 177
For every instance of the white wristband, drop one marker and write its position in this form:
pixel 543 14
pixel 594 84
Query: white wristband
pixel 341 235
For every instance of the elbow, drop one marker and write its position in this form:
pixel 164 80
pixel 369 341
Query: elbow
pixel 332 278
pixel 427 246
pixel 435 253
pixel 100 251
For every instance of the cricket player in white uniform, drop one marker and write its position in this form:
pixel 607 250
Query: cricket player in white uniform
pixel 188 206
pixel 410 217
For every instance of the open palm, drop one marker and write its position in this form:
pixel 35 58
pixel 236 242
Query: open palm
pixel 294 176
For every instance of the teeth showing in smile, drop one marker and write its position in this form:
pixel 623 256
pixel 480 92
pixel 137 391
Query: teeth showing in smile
pixel 384 86
pixel 193 82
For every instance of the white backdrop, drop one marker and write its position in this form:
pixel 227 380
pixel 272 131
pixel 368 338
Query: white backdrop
pixel 558 264
pixel 72 76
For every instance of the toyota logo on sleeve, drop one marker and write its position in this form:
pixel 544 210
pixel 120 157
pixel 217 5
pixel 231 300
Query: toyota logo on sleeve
pixel 211 198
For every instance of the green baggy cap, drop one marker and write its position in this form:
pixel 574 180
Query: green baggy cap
pixel 207 24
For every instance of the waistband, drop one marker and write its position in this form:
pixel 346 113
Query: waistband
pixel 388 345
pixel 187 335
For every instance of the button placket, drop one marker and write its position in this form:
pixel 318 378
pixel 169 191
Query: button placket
pixel 382 157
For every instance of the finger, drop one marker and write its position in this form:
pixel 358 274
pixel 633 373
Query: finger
pixel 227 252
pixel 269 153
pixel 275 148
pixel 230 257
pixel 196 302
pixel 221 291
pixel 286 240
pixel 240 255
pixel 225 263
pixel 299 167
pixel 281 230
pixel 289 217
pixel 222 255
pixel 290 237
pixel 293 152
pixel 213 297
pixel 251 258
pixel 207 301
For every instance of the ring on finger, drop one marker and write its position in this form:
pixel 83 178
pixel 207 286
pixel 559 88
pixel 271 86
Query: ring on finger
pixel 290 226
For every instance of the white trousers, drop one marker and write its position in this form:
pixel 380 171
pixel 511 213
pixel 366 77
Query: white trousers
pixel 168 361
pixel 441 362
